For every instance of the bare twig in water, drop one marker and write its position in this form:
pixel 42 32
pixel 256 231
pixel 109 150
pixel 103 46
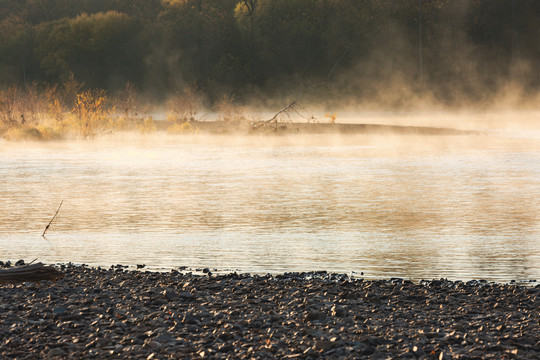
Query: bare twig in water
pixel 54 217
pixel 291 107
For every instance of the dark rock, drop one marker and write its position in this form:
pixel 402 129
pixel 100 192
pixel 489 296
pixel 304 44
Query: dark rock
pixel 323 345
pixel 337 311
pixel 60 310
pixel 164 337
pixel 185 295
pixel 56 352
pixel 170 295
pixel 314 315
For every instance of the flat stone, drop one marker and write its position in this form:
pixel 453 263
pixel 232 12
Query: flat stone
pixel 323 345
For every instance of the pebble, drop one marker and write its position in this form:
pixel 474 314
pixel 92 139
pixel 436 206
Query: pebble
pixel 130 314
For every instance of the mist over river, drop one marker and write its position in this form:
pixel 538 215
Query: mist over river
pixel 459 207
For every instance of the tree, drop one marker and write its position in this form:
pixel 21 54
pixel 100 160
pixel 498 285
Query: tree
pixel 100 49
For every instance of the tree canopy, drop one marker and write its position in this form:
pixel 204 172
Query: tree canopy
pixel 316 48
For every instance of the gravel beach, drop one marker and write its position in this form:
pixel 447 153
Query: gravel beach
pixel 136 314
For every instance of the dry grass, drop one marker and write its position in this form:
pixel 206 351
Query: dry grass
pixel 229 111
pixel 73 111
pixel 148 126
pixel 186 105
pixel 56 112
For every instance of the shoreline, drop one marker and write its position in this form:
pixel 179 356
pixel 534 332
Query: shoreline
pixel 292 128
pixel 137 314
pixel 308 273
pixel 244 128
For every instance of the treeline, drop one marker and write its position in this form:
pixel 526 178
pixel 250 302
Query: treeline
pixel 389 50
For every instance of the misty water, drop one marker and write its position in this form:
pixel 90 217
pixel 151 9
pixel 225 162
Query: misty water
pixel 458 207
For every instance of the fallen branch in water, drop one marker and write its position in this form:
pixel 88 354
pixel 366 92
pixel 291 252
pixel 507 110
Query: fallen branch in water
pixel 32 272
pixel 54 217
pixel 291 107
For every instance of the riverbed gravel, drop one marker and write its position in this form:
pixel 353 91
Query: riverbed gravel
pixel 114 313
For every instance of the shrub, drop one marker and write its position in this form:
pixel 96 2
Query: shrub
pixel 186 105
pixel 90 113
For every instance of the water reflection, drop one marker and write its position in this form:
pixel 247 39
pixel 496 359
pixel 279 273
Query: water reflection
pixel 402 208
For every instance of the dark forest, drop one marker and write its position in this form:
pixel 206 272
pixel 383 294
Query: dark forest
pixel 454 51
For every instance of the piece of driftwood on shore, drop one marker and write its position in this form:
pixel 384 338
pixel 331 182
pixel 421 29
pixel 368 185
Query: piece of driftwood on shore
pixel 33 272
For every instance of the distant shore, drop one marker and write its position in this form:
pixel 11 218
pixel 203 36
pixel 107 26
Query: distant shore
pixel 32 133
pixel 114 313
pixel 291 128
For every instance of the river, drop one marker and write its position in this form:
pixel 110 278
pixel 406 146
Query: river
pixel 458 207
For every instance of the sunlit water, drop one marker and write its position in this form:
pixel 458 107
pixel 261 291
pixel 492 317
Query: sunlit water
pixel 459 207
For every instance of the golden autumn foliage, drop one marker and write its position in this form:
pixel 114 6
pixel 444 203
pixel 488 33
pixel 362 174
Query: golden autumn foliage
pixel 43 114
pixel 331 118
pixel 90 112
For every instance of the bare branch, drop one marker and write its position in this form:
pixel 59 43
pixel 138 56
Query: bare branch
pixel 54 217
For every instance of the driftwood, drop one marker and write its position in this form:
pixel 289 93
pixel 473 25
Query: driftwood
pixel 274 120
pixel 32 272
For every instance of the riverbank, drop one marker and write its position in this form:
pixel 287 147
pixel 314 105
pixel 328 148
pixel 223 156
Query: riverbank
pixel 113 313
pixel 293 128
pixel 47 133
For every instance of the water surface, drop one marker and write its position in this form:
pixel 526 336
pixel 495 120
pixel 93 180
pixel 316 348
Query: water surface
pixel 458 207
